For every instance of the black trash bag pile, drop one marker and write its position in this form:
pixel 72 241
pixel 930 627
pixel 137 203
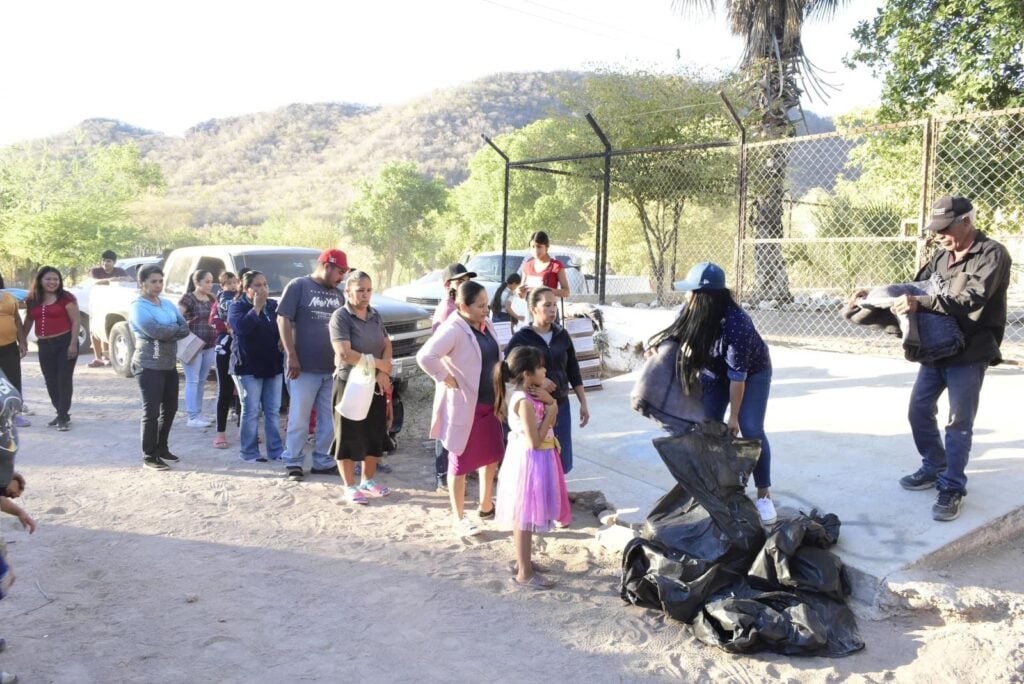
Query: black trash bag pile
pixel 703 558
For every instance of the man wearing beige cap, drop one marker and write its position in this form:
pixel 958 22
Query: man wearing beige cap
pixel 974 272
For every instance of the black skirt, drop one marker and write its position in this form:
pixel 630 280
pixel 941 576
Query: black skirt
pixel 354 440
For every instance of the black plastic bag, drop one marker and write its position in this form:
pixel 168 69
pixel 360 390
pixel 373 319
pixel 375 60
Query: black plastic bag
pixel 654 577
pixel 791 623
pixel 794 557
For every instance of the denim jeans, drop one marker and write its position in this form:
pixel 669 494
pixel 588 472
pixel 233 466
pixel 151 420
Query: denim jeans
pixel 563 431
pixel 306 392
pixel 255 392
pixel 196 373
pixel 752 412
pixel 58 372
pixel 159 404
pixel 947 460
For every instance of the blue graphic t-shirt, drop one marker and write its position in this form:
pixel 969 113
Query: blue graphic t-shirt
pixel 309 306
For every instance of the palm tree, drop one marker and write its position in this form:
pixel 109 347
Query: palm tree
pixel 775 64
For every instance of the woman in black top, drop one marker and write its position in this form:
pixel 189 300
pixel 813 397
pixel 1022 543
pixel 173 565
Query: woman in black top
pixel 559 359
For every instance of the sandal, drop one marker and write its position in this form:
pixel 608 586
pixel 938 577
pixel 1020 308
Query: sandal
pixel 220 442
pixel 355 496
pixel 96 363
pixel 513 567
pixel 536 581
pixel 373 489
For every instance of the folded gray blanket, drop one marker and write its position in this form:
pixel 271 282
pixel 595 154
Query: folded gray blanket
pixel 926 336
pixel 660 395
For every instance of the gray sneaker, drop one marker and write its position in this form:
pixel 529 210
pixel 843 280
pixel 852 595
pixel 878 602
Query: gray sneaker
pixel 922 479
pixel 948 506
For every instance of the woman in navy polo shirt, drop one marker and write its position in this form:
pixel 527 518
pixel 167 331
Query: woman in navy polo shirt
pixel 733 361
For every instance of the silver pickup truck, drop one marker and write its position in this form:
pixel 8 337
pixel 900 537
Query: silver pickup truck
pixel 408 326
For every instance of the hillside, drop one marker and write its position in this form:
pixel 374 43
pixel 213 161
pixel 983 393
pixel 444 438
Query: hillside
pixel 304 160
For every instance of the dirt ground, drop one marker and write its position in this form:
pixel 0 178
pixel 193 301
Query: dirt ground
pixel 225 571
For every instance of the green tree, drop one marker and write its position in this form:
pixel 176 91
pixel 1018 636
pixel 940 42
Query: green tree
pixel 970 51
pixel 774 64
pixel 66 211
pixel 391 215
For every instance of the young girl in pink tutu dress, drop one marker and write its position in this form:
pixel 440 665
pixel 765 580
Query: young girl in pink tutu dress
pixel 531 486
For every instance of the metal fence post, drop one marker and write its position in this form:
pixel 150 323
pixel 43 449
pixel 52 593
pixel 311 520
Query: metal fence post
pixel 504 218
pixel 741 195
pixel 602 256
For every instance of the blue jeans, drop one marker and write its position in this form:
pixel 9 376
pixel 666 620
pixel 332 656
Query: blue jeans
pixel 306 392
pixel 254 392
pixel 196 372
pixel 948 460
pixel 563 431
pixel 752 411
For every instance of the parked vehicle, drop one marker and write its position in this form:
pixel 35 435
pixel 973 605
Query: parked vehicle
pixel 83 291
pixel 408 326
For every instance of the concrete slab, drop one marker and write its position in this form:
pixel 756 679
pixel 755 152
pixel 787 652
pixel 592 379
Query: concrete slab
pixel 840 441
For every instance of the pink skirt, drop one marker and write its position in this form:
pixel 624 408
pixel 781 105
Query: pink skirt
pixel 531 490
pixel 484 446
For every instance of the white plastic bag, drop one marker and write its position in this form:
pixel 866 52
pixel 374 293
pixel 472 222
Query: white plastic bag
pixel 359 388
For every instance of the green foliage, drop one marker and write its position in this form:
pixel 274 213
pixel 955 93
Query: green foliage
pixel 63 210
pixel 970 51
pixel 392 217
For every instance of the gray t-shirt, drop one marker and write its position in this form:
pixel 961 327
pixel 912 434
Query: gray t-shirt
pixel 366 337
pixel 309 305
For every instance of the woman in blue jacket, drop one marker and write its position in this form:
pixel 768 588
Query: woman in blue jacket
pixel 259 364
pixel 563 369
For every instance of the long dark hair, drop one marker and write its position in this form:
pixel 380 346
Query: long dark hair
pixel 696 328
pixel 510 279
pixel 196 276
pixel 519 361
pixel 35 295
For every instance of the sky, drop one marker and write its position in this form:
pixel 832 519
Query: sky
pixel 167 66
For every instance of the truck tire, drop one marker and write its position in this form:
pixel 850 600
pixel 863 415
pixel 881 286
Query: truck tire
pixel 122 348
pixel 84 340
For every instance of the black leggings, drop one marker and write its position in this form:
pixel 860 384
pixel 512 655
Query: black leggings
pixel 10 364
pixel 225 391
pixel 159 404
pixel 58 371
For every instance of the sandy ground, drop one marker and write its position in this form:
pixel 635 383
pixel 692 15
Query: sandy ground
pixel 225 571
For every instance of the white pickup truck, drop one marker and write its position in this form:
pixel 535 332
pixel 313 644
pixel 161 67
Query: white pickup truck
pixel 408 326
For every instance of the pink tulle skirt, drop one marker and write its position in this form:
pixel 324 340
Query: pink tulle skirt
pixel 531 490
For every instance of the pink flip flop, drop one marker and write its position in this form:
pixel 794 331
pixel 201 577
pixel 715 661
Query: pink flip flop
pixel 220 442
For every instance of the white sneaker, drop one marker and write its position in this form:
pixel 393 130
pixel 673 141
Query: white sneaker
pixel 766 509
pixel 199 422
pixel 466 528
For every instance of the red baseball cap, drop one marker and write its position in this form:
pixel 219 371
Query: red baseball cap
pixel 334 257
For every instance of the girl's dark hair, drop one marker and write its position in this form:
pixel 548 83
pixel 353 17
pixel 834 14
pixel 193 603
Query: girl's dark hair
pixel 519 361
pixel 510 279
pixel 246 281
pixel 35 295
pixel 146 271
pixel 536 294
pixel 541 238
pixel 468 291
pixel 194 279
pixel 696 328
pixel 225 276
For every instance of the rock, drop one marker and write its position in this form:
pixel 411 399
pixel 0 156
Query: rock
pixel 607 517
pixel 617 304
pixel 191 598
pixel 614 537
pixel 56 510
pixel 639 305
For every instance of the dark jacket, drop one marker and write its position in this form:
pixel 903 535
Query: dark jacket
pixel 660 395
pixel 559 358
pixel 976 298
pixel 256 350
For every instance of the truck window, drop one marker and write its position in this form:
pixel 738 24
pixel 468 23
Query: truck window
pixel 176 276
pixel 214 266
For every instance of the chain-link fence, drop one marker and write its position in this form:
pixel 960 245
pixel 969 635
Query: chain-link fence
pixel 800 222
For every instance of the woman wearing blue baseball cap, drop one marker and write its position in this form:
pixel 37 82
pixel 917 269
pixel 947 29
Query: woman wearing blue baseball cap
pixel 718 340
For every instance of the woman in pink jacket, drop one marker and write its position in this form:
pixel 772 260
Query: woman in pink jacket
pixel 461 357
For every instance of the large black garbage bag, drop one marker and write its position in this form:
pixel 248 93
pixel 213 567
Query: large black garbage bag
pixel 704 533
pixel 791 623
pixel 655 577
pixel 794 557
pixel 707 516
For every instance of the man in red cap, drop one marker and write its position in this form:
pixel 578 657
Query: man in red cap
pixel 974 272
pixel 303 315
